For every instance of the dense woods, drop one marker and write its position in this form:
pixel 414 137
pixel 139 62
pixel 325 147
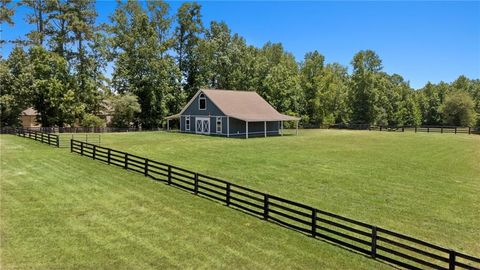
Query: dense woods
pixel 159 58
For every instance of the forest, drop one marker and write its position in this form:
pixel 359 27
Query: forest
pixel 148 61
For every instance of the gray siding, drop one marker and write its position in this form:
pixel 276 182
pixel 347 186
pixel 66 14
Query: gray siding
pixel 212 111
pixel 238 128
pixel 193 109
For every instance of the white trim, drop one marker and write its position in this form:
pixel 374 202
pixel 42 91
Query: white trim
pixel 200 97
pixel 265 128
pixel 202 123
pixel 187 127
pixel 246 129
pixel 217 120
pixel 194 97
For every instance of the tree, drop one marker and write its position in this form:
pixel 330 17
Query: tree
pixel 40 17
pixel 81 23
pixel 51 94
pixel 364 94
pixel 6 12
pixel 124 107
pixel 430 100
pixel 458 110
pixel 276 78
pixel 142 65
pixel 187 36
pixel 15 81
pixel 92 121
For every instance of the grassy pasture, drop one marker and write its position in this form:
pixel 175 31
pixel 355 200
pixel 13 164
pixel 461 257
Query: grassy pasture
pixel 63 211
pixel 424 185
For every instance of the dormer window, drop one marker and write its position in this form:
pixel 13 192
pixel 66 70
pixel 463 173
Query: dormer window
pixel 202 102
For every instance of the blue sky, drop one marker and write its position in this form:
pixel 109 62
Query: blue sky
pixel 422 41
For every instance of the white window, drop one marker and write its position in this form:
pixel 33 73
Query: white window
pixel 219 124
pixel 187 122
pixel 202 102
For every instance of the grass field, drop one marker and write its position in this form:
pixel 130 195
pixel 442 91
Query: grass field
pixel 424 185
pixel 60 210
pixel 63 211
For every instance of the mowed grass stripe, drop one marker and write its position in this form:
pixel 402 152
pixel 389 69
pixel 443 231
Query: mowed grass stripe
pixel 424 185
pixel 63 211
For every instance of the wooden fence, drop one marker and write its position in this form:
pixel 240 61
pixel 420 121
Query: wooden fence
pixel 379 243
pixel 428 129
pixel 50 139
pixel 93 138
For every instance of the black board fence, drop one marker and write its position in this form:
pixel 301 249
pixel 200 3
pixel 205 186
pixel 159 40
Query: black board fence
pixel 50 139
pixel 427 129
pixel 376 242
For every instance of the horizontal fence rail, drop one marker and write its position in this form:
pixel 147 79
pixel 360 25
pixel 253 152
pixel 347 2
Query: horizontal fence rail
pixel 382 244
pixel 91 130
pixel 428 129
pixel 50 139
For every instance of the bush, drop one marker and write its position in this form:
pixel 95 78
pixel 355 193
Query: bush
pixel 458 109
pixel 92 121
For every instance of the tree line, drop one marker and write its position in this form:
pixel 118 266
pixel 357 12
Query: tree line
pixel 158 59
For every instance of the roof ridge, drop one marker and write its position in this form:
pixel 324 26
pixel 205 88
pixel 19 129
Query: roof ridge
pixel 229 90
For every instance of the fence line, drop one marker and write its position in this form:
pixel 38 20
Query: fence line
pixel 50 139
pixel 428 129
pixel 376 242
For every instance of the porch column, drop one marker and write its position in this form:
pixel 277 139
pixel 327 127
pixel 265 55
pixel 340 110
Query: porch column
pixel 265 128
pixel 246 129
pixel 281 128
pixel 228 126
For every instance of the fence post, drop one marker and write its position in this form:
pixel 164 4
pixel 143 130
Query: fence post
pixel 441 129
pixel 455 130
pixel 373 251
pixel 265 206
pixel 169 178
pixel 428 129
pixel 58 141
pixel 94 151
pixel 71 146
pixel 48 139
pixel 451 260
pixel 403 129
pixel 35 136
pixel 109 154
pixel 314 222
pixel 195 187
pixel 81 148
pixel 125 166
pixel 415 129
pixel 469 130
pixel 227 195
pixel 146 167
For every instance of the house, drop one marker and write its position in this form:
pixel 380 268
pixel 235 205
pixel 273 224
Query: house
pixel 28 118
pixel 231 114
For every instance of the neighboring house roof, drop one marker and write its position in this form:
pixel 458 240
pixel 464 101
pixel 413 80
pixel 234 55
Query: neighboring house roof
pixel 242 105
pixel 29 112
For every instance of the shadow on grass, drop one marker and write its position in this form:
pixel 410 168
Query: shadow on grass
pixel 165 182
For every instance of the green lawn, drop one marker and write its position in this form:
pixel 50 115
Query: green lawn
pixel 424 185
pixel 63 211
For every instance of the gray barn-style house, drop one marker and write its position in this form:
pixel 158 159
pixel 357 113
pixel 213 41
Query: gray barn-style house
pixel 230 113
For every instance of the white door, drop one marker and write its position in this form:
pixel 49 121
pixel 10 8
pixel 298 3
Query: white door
pixel 202 125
